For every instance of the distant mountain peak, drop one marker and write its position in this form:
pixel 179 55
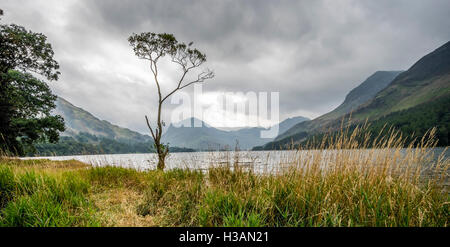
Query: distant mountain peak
pixel 208 137
pixel 190 123
pixel 427 80
pixel 362 93
pixel 357 97
pixel 386 93
pixel 371 86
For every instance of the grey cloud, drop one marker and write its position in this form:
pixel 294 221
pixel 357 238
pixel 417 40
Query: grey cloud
pixel 312 52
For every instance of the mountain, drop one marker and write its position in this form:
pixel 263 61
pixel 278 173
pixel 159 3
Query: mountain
pixel 200 138
pixel 84 127
pixel 79 121
pixel 355 98
pixel 289 123
pixel 210 138
pixel 363 93
pixel 408 96
pixel 86 134
pixel 427 80
pixel 414 122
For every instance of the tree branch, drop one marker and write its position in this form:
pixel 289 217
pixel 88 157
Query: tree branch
pixel 205 75
pixel 151 130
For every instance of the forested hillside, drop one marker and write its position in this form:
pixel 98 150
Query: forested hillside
pixel 414 102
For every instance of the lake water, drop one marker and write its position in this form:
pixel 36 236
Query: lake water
pixel 259 161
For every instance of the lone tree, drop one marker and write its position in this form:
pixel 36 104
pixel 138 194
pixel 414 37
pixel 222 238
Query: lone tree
pixel 153 47
pixel 25 101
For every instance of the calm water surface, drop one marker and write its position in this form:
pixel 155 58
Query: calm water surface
pixel 262 161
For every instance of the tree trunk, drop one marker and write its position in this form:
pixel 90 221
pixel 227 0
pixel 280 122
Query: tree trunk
pixel 161 150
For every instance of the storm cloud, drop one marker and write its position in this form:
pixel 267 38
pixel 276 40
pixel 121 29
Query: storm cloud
pixel 312 52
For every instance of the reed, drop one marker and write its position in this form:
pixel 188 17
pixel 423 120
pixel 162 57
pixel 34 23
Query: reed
pixel 338 181
pixel 350 178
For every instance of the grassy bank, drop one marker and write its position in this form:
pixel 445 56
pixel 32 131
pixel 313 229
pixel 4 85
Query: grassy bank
pixel 386 186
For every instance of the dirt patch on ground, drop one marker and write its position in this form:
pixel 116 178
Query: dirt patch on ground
pixel 117 207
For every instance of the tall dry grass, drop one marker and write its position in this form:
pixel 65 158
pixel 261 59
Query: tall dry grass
pixel 352 178
pixel 338 181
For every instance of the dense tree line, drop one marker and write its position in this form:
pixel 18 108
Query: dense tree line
pixel 26 102
pixel 283 144
pixel 412 123
pixel 85 143
pixel 416 121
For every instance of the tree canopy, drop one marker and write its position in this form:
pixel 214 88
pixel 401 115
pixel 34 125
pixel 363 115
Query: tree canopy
pixel 25 101
pixel 152 47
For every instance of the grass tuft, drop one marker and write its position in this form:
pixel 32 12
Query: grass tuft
pixel 348 184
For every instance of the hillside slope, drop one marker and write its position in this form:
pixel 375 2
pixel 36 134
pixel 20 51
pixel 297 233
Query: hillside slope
pixel 86 134
pixel 78 120
pixel 200 138
pixel 427 80
pixel 363 93
pixel 425 84
pixel 354 99
pixel 210 138
pixel 85 127
pixel 358 96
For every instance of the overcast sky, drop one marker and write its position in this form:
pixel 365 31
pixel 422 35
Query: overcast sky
pixel 312 52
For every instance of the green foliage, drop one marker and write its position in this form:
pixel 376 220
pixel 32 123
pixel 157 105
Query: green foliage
pixel 26 102
pixel 153 46
pixel 413 124
pixel 285 143
pixel 32 199
pixel 72 146
pixel 416 121
pixel 33 101
pixel 85 143
pixel 26 50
